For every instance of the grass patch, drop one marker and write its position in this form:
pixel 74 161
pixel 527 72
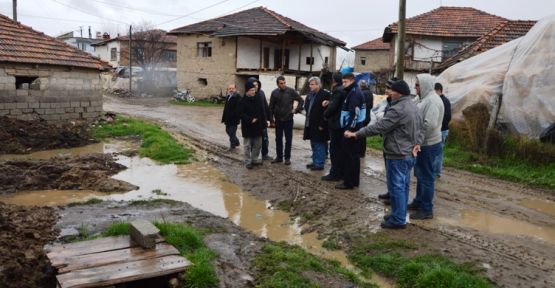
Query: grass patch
pixel 159 192
pixel 395 259
pixel 157 144
pixel 198 103
pixel 331 245
pixel 116 229
pixel 282 265
pixel 152 202
pixel 284 206
pixel 83 235
pixel 91 201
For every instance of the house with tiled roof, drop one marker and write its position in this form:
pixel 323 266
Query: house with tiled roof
pixel 504 32
pixel 41 77
pixel 256 42
pixel 372 56
pixel 439 34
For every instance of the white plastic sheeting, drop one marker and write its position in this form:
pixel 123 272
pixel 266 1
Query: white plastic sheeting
pixel 522 71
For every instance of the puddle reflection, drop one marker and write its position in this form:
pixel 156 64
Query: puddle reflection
pixel 543 206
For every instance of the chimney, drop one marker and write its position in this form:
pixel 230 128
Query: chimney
pixel 105 36
pixel 90 33
pixel 98 35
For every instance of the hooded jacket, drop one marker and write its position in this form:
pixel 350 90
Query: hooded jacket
pixel 264 102
pixel 431 110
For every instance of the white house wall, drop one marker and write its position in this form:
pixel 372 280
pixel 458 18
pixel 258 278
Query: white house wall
pixel 103 52
pixel 248 53
pixel 427 49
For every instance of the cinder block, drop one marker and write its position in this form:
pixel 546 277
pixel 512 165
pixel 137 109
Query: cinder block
pixel 34 105
pixel 22 105
pixel 144 233
pixel 44 105
pixel 10 105
pixel 4 112
pixel 75 104
pixel 15 112
pixel 85 103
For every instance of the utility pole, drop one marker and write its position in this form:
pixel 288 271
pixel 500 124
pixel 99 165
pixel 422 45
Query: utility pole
pixel 400 67
pixel 14 5
pixel 130 61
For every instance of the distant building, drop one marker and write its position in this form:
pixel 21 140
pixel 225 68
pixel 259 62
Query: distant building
pixel 42 77
pixel 255 42
pixel 81 43
pixel 372 56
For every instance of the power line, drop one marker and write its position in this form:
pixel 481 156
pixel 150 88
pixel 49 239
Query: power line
pixel 194 12
pixel 136 9
pixel 237 9
pixel 87 12
pixel 59 19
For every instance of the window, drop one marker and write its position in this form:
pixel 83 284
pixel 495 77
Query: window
pixel 266 58
pixel 202 81
pixel 451 48
pixel 204 49
pixel 326 60
pixel 170 56
pixel 113 54
pixel 309 60
pixel 26 82
pixel 363 61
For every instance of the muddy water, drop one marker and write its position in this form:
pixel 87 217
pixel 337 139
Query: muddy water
pixel 495 224
pixel 93 148
pixel 543 206
pixel 50 197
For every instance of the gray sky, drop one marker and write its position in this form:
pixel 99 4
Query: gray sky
pixel 354 22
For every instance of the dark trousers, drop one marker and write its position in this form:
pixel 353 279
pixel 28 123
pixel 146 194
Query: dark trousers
pixel 362 147
pixel 351 164
pixel 336 137
pixel 284 127
pixel 231 131
pixel 265 142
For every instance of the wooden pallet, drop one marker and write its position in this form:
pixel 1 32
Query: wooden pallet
pixel 112 260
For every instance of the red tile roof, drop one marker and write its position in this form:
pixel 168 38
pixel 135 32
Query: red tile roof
pixel 504 32
pixel 257 21
pixel 376 44
pixel 22 44
pixel 448 22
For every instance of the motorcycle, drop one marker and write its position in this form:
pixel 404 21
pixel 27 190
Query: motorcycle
pixel 183 95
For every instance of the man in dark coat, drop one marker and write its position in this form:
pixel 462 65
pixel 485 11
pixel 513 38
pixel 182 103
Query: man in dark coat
pixel 353 113
pixel 369 101
pixel 251 112
pixel 260 93
pixel 315 128
pixel 444 127
pixel 230 117
pixel 333 109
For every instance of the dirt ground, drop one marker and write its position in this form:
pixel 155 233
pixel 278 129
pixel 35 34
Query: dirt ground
pixel 19 136
pixel 90 172
pixel 509 258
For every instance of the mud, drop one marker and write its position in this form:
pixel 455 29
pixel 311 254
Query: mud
pixel 25 230
pixel 19 136
pixel 521 259
pixel 90 171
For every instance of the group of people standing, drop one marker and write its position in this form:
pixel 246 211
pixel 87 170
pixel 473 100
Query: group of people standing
pixel 412 131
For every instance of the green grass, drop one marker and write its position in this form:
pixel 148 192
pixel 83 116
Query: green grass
pixel 156 143
pixel 508 168
pixel 152 202
pixel 116 229
pixel 91 201
pixel 397 259
pixel 282 265
pixel 198 103
pixel 331 245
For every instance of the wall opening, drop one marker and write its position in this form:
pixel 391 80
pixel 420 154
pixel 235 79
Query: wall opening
pixel 24 82
pixel 202 81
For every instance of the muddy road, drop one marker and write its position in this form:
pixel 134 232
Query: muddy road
pixel 506 228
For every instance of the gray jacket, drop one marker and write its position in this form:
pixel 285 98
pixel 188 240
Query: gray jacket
pixel 431 110
pixel 401 128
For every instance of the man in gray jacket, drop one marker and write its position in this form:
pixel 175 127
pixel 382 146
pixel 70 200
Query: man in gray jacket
pixel 401 129
pixel 431 110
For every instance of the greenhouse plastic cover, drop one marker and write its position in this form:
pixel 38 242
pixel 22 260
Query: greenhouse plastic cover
pixel 523 71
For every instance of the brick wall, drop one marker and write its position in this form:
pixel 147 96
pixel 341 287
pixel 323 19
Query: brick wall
pixel 218 70
pixel 59 93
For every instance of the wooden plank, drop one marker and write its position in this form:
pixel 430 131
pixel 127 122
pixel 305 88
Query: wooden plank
pixel 57 253
pixel 115 256
pixel 123 272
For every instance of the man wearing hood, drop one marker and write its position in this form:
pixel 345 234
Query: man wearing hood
pixel 401 130
pixel 253 122
pixel 431 110
pixel 262 96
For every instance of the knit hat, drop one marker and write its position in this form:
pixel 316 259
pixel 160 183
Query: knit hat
pixel 248 86
pixel 401 87
pixel 390 82
pixel 337 77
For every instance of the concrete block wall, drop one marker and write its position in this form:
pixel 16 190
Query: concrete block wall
pixel 62 94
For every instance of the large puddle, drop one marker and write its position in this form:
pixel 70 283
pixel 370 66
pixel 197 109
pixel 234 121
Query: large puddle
pixel 199 184
pixel 543 206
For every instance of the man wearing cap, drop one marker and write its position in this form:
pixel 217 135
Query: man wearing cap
pixel 401 129
pixel 385 196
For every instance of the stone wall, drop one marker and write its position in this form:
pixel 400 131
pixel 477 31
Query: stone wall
pixel 376 60
pixel 218 70
pixel 58 93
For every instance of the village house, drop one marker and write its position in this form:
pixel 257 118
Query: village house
pixel 80 42
pixel 437 35
pixel 41 77
pixel 116 50
pixel 372 56
pixel 255 42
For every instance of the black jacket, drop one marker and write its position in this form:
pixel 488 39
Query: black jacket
pixel 281 103
pixel 446 113
pixel 369 100
pixel 331 114
pixel 248 109
pixel 315 117
pixel 230 116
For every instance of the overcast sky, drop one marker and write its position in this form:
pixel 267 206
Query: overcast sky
pixel 354 22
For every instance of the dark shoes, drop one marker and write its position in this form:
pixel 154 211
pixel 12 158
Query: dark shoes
pixel 257 163
pixel 267 158
pixel 421 215
pixel 386 202
pixel 249 166
pixel 389 225
pixel 330 178
pixel 316 168
pixel 277 160
pixel 309 165
pixel 384 196
pixel 413 206
pixel 287 162
pixel 342 186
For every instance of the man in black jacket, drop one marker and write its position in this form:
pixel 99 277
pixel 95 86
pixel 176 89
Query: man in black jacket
pixel 281 109
pixel 230 117
pixel 369 100
pixel 333 109
pixel 260 93
pixel 438 165
pixel 253 122
pixel 316 128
